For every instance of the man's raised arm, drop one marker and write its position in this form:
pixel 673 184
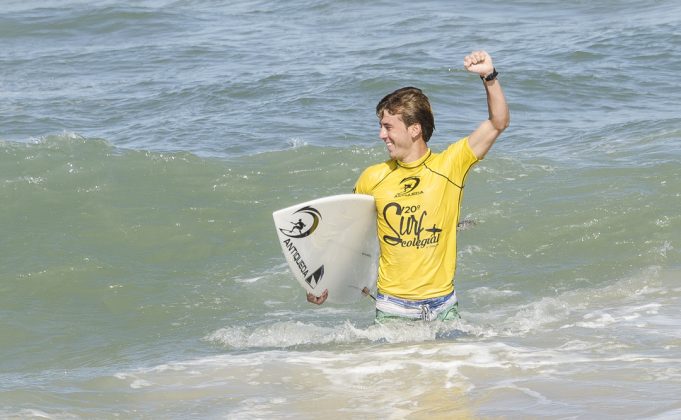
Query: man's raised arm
pixel 482 139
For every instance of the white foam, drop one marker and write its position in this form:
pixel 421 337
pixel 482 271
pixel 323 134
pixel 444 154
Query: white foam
pixel 469 250
pixel 295 333
pixel 248 280
pixel 490 292
pixel 140 383
pixel 599 320
pixel 33 413
pixel 296 142
pixel 280 334
pixel 401 374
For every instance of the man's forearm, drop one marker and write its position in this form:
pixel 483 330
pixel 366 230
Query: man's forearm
pixel 499 115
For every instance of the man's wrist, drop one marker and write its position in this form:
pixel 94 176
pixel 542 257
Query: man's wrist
pixel 490 77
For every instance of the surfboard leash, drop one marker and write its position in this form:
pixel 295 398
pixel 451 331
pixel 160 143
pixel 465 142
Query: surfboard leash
pixel 367 292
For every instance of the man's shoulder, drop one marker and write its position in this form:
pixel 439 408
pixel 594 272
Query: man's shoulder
pixel 373 175
pixel 457 150
pixel 461 145
pixel 380 168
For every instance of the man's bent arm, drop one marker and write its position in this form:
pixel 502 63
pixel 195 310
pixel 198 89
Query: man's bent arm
pixel 482 139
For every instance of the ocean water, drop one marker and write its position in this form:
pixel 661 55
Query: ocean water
pixel 144 146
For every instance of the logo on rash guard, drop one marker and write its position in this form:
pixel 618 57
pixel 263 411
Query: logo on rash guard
pixel 407 226
pixel 408 185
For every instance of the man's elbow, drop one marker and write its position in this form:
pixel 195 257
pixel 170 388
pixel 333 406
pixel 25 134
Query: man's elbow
pixel 500 124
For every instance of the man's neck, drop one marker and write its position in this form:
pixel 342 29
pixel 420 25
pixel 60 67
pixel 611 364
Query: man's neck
pixel 419 150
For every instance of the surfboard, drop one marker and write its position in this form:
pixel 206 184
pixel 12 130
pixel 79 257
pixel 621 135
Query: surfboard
pixel 331 243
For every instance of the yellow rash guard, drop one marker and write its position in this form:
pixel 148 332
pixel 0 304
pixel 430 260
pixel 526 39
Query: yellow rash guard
pixel 418 210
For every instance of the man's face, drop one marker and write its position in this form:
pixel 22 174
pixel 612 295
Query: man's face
pixel 396 136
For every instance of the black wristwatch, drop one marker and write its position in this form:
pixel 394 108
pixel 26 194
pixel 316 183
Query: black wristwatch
pixel 490 76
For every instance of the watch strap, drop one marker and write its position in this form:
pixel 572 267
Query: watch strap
pixel 490 76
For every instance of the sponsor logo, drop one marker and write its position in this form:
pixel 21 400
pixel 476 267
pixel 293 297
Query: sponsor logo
pixel 308 221
pixel 304 222
pixel 408 185
pixel 408 228
pixel 314 278
pixel 297 258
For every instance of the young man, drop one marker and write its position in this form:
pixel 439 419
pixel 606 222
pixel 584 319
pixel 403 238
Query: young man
pixel 418 196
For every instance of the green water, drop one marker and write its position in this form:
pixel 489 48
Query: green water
pixel 144 147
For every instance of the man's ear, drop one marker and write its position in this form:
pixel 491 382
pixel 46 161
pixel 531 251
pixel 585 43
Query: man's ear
pixel 415 130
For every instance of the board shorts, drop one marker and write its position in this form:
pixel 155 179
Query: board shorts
pixel 443 308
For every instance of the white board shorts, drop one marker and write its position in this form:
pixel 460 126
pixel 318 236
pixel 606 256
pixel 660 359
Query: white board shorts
pixel 443 308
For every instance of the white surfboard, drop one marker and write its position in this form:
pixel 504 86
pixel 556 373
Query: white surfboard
pixel 331 243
